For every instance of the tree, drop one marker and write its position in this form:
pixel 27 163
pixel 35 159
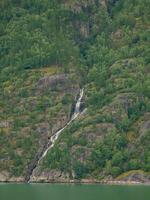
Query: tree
pixel 115 171
pixel 80 170
pixel 117 159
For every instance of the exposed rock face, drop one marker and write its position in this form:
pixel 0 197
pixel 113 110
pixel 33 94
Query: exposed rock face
pixel 142 178
pixel 118 109
pixel 136 176
pixel 6 177
pixel 145 127
pixel 78 5
pixel 17 179
pixel 4 124
pixel 52 81
pixel 51 176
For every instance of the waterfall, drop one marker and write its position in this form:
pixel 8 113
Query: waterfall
pixel 54 137
pixel 77 107
pixel 57 134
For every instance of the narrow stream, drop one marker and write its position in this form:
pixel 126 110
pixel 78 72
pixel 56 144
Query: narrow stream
pixel 54 137
pixel 57 134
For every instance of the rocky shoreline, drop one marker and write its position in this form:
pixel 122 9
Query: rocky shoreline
pixel 134 177
pixel 94 181
pixel 80 182
pixel 74 181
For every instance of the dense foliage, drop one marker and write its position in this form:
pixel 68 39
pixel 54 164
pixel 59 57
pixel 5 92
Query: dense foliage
pixel 117 92
pixel 107 48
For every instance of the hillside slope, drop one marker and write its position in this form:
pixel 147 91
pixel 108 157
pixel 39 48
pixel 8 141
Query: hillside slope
pixel 49 49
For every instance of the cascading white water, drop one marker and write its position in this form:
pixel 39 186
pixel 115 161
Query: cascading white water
pixel 77 107
pixel 58 133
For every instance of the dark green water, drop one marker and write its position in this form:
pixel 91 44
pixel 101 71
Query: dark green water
pixel 72 192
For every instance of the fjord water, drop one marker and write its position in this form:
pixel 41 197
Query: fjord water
pixel 72 192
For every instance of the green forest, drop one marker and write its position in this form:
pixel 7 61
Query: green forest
pixel 51 48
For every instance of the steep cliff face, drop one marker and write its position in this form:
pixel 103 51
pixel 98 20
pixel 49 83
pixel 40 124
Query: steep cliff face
pixel 109 139
pixel 50 49
pixel 39 115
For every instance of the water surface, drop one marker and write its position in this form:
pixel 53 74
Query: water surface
pixel 72 192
